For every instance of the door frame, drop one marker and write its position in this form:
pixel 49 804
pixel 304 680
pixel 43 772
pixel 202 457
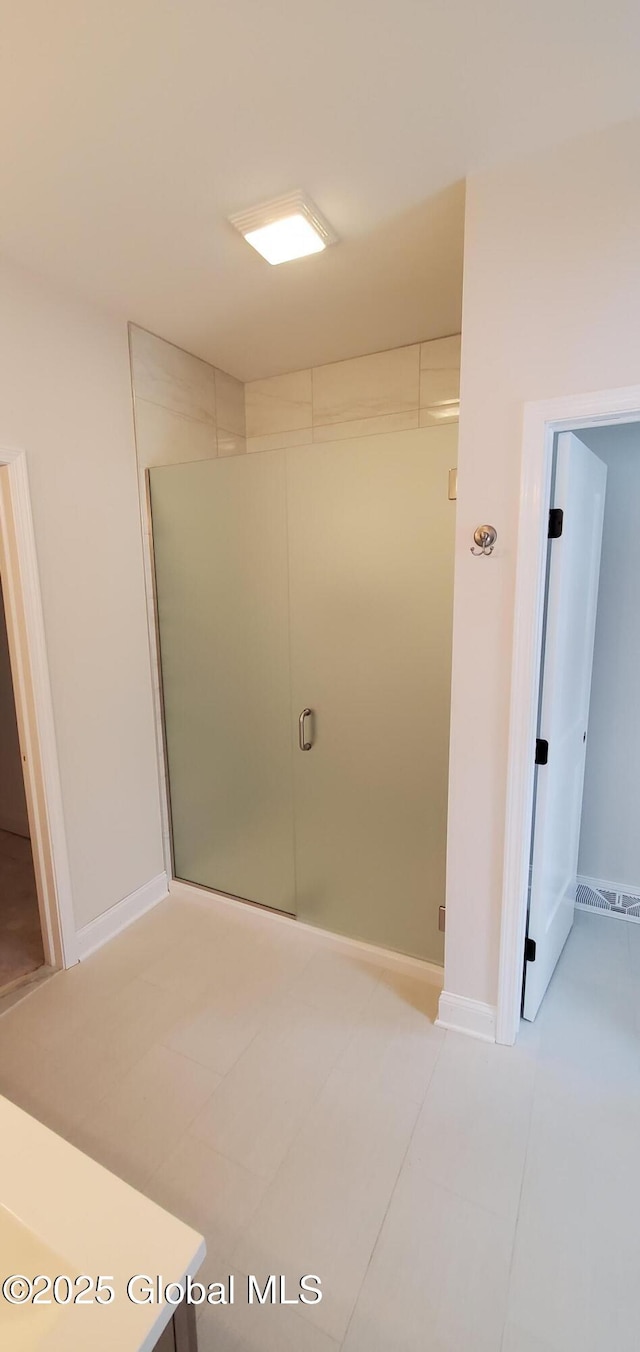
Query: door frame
pixel 542 420
pixel 34 710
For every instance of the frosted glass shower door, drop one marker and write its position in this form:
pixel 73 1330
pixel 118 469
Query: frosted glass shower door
pixel 371 533
pixel 220 546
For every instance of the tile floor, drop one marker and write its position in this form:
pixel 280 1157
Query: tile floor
pixel 298 1105
pixel 21 949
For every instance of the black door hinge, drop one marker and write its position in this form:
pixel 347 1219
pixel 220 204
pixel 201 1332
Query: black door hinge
pixel 529 950
pixel 542 751
pixel 556 519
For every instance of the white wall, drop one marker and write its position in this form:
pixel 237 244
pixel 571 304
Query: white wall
pixel 551 307
pixel 65 398
pixel 13 804
pixel 610 839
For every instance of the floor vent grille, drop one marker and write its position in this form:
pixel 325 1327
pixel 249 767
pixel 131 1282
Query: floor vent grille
pixel 594 895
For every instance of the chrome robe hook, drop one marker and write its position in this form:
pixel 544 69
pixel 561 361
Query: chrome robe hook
pixel 485 537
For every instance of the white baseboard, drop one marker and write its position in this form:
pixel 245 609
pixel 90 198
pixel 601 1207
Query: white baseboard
pixel 384 957
pixel 118 917
pixel 462 1015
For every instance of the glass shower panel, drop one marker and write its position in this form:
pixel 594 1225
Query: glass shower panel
pixel 371 537
pixel 220 545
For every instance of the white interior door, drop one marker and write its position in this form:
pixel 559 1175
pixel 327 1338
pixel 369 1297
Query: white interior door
pixel 572 598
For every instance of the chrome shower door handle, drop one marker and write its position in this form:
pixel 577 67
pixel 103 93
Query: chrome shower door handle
pixel 304 746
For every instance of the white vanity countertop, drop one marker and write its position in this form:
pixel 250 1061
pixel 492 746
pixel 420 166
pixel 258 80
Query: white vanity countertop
pixel 60 1210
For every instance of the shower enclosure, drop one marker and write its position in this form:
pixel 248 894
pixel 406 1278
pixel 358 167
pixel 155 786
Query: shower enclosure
pixel 304 602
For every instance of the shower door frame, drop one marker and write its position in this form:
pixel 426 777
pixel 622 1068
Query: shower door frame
pixel 34 711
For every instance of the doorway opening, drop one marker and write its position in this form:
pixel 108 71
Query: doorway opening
pixel 37 930
pixel 572 864
pixel 21 946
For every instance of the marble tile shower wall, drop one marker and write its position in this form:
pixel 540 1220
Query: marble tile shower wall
pixel 392 391
pixel 185 409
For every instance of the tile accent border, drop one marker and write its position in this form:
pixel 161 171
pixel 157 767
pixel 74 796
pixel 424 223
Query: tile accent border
pixel 120 916
pixel 623 903
pixel 462 1015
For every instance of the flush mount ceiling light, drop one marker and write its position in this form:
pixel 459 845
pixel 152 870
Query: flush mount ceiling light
pixel 288 227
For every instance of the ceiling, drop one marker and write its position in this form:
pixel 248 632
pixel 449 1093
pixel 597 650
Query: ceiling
pixel 133 128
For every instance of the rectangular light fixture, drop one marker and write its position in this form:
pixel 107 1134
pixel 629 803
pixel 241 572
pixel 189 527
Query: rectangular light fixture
pixel 285 228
